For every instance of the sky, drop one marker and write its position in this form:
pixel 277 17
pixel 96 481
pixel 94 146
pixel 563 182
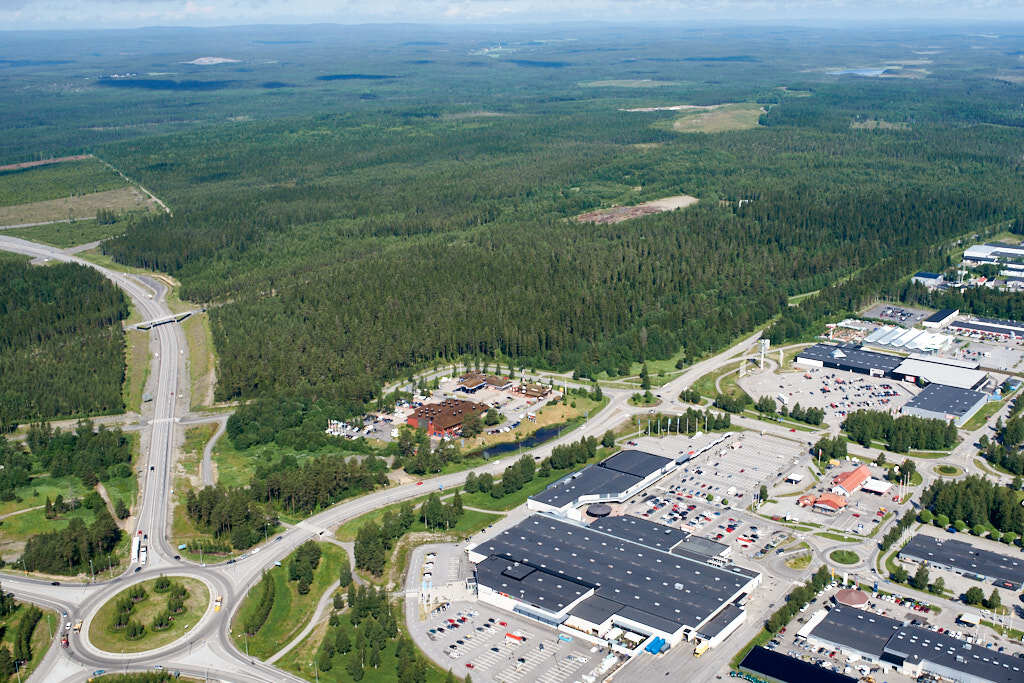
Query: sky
pixel 78 14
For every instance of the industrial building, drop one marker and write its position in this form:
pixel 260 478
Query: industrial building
pixel 929 280
pixel 939 372
pixel 592 582
pixel 614 479
pixel 1006 329
pixel 776 666
pixel 669 539
pixel 994 252
pixel 963 558
pixel 908 649
pixel 473 382
pixel 444 418
pixel 849 358
pixel 902 339
pixel 941 318
pixel 941 402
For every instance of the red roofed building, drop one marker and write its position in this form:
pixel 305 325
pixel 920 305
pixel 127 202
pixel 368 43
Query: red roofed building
pixel 444 418
pixel 848 482
pixel 829 502
pixel 805 500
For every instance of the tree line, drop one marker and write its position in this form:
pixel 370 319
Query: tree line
pixel 976 503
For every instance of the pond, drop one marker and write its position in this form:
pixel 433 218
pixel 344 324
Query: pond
pixel 535 439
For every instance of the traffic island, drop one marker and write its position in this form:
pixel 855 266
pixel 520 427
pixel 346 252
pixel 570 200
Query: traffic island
pixel 149 614
pixel 844 557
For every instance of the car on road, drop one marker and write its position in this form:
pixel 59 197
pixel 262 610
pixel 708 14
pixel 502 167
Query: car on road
pixel 55 583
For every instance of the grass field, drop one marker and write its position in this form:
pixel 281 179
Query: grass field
pixel 739 116
pixel 41 487
pixel 64 235
pixel 55 181
pixel 706 384
pixel 41 638
pixel 201 359
pixel 844 556
pixel 291 611
pixel 470 522
pixel 136 370
pixel 102 635
pixel 984 413
pixel 121 200
pixel 196 439
pixel 949 470
pixel 799 562
pixel 17 529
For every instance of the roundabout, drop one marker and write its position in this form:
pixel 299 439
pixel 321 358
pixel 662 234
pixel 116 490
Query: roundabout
pixel 948 471
pixel 844 557
pixel 148 615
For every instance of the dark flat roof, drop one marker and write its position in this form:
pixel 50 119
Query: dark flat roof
pixel 637 463
pixel 721 620
pixel 918 644
pixel 856 629
pixel 941 398
pixel 939 316
pixel 654 587
pixel 592 479
pixel 789 669
pixel 642 531
pixel 925 274
pixel 596 609
pixel 702 546
pixel 965 557
pixel 851 357
pixel 537 587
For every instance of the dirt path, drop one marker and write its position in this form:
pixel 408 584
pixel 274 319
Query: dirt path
pixel 43 162
pixel 123 523
pixel 206 467
pixel 135 184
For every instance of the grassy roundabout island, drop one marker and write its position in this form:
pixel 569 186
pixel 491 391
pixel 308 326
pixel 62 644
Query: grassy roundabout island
pixel 149 614
pixel 948 470
pixel 844 556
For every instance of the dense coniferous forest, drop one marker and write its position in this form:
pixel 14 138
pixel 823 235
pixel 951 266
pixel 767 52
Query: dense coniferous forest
pixel 349 230
pixel 61 344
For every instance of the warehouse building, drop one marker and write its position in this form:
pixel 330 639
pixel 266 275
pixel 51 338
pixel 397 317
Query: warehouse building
pixel 911 650
pixel 941 402
pixel 614 479
pixel 929 280
pixel 1006 329
pixel 941 318
pixel 916 368
pixel 965 559
pixel 584 580
pixel 994 252
pixel 776 666
pixel 849 358
pixel 665 538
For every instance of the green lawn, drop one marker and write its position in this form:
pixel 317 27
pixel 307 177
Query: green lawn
pixel 102 635
pixel 470 522
pixel 125 488
pixel 64 235
pixel 979 419
pixel 41 487
pixel 196 439
pixel 136 370
pixel 291 611
pixel 949 470
pixel 838 537
pixel 844 556
pixel 41 636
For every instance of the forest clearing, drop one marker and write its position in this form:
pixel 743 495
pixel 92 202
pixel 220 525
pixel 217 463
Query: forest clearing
pixel 617 214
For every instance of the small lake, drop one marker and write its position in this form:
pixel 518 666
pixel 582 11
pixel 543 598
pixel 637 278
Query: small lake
pixel 538 437
pixel 857 72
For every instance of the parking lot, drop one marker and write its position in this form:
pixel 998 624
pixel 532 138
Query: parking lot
pixel 494 645
pixel 997 354
pixel 898 315
pixel 834 391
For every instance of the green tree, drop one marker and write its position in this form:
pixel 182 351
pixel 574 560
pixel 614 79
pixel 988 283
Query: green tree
pixel 974 596
pixel 920 578
pixel 994 601
pixel 472 425
pixel 645 379
pixel 608 440
pixel 491 418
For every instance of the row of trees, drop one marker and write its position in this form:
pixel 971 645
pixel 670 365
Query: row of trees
pixel 515 476
pixel 265 590
pixel 900 433
pixel 897 530
pixel 374 540
pixel 797 598
pixel 827 448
